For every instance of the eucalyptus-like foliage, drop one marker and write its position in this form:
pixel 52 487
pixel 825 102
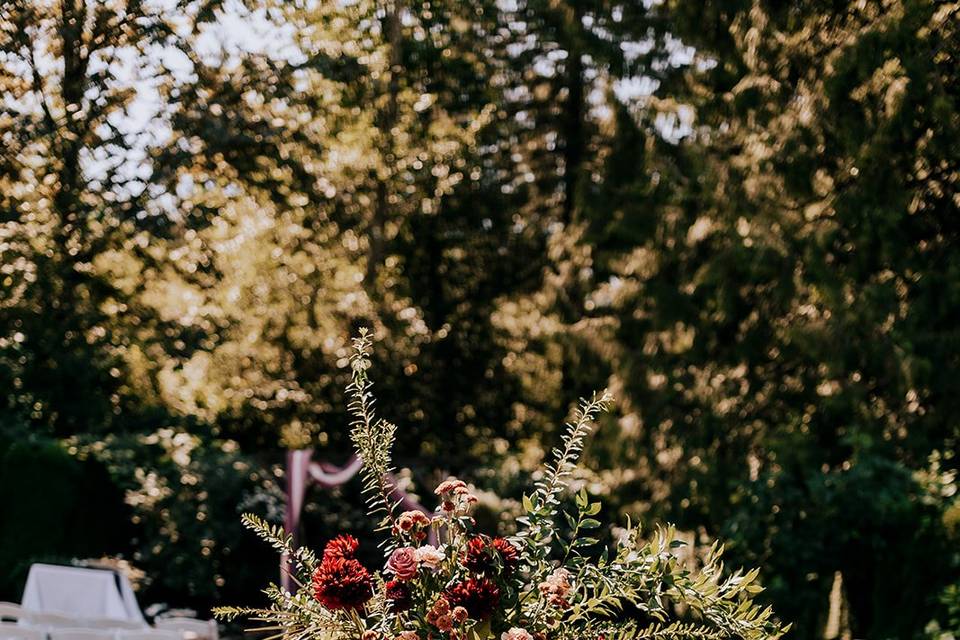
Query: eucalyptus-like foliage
pixel 539 526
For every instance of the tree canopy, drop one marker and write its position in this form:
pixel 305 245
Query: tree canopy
pixel 741 216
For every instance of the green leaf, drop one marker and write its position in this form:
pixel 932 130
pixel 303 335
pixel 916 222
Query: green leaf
pixel 527 504
pixel 582 498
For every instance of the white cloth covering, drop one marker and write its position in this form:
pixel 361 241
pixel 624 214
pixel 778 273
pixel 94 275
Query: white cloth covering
pixel 85 593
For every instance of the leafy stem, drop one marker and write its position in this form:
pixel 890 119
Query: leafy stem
pixel 372 437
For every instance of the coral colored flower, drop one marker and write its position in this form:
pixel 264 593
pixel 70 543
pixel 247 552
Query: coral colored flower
pixel 445 623
pixel 407 635
pixel 413 523
pixel 342 583
pixel 460 615
pixel 556 587
pixel 398 593
pixel 439 609
pixel 479 596
pixel 403 563
pixel 431 557
pixel 557 582
pixel 370 634
pixel 449 486
pixel 516 633
pixel 455 497
pixel 343 546
pixel 410 519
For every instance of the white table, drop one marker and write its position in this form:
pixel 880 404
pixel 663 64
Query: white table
pixel 80 592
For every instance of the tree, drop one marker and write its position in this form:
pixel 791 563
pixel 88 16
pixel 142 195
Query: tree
pixel 791 297
pixel 73 73
pixel 366 156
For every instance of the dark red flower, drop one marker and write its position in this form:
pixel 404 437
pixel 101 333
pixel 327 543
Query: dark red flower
pixel 508 553
pixel 477 557
pixel 481 551
pixel 398 593
pixel 343 546
pixel 342 583
pixel 479 596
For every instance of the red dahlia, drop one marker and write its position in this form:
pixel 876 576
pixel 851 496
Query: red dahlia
pixel 508 553
pixel 476 557
pixel 398 593
pixel 479 596
pixel 481 551
pixel 342 583
pixel 343 546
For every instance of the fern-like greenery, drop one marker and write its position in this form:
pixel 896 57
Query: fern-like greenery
pixel 546 497
pixel 291 616
pixel 302 561
pixel 648 577
pixel 372 436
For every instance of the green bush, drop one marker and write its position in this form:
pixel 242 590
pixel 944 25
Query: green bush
pixel 56 508
pixel 186 489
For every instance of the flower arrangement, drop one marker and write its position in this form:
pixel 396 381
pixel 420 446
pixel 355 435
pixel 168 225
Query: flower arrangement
pixel 540 584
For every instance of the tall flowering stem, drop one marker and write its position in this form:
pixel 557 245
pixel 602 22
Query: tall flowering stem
pixel 539 525
pixel 372 437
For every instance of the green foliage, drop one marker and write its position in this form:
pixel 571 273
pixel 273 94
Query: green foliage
pixel 740 216
pixel 664 597
pixel 950 600
pixel 372 437
pixel 538 526
pixel 186 491
pixel 648 579
pixel 56 508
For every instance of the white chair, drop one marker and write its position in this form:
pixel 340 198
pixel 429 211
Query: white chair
pixel 189 628
pixel 149 634
pixel 38 619
pixel 13 631
pixel 10 611
pixel 82 634
pixel 112 624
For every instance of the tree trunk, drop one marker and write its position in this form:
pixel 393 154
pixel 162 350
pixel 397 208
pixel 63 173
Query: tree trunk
pixel 387 120
pixel 573 127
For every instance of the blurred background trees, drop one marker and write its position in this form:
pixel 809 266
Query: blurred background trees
pixel 742 217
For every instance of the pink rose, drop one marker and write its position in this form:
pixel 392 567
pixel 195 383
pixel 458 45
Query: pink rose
pixel 556 587
pixel 403 563
pixel 516 633
pixel 430 556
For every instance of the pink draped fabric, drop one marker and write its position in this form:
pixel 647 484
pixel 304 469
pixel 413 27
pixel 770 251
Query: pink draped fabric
pixel 303 471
